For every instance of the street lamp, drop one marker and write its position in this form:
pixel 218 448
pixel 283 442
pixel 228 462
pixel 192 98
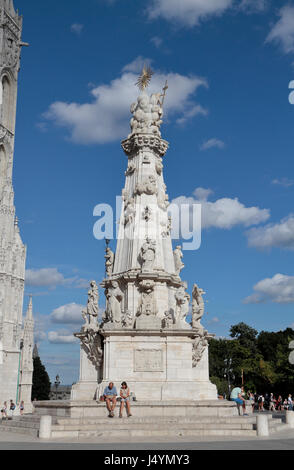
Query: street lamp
pixel 229 372
pixel 57 383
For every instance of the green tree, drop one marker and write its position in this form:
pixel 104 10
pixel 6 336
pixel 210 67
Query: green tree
pixel 41 382
pixel 245 335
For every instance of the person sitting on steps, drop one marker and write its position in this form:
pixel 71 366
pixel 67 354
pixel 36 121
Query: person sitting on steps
pixel 110 394
pixel 125 399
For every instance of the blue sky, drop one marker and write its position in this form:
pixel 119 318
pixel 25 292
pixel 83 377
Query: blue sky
pixel 230 127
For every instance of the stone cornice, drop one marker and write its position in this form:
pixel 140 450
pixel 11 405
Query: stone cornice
pixel 145 142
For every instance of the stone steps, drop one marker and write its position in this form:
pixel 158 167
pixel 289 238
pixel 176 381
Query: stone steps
pixel 146 426
pixel 150 426
pixel 152 433
pixel 163 420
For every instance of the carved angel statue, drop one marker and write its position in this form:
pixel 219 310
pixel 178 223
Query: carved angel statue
pixel 114 297
pixel 178 256
pixel 197 306
pixel 90 313
pixel 148 252
pixel 109 263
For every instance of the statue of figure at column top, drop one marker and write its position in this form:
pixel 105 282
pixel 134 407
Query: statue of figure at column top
pixel 148 110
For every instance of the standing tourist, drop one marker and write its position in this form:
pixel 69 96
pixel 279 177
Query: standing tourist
pixel 279 403
pixel 272 404
pixel 236 396
pixel 4 411
pixel 260 403
pixel 21 408
pixel 290 403
pixel 252 400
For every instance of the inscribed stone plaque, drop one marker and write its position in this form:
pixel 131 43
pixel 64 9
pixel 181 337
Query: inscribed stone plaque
pixel 148 360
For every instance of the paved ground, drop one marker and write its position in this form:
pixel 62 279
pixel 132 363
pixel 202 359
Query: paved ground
pixel 281 441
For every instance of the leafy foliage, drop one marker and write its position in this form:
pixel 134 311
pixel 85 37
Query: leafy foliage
pixel 263 358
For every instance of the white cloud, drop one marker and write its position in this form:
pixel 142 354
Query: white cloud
pixel 285 182
pixel 60 337
pixel 192 112
pixel 283 31
pixel 251 6
pixel 278 289
pixel 51 277
pixel 106 117
pixel 202 194
pixel 77 28
pixel 39 336
pixel 224 213
pixel 156 41
pixel 44 277
pixel 212 143
pixel 187 12
pixel 273 235
pixel 69 313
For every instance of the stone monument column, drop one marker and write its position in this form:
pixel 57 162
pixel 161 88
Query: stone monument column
pixel 144 335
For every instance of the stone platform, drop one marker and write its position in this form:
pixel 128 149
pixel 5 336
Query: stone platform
pixel 172 408
pixel 68 420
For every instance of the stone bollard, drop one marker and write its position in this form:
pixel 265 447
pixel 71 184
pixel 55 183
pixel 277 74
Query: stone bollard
pixel 45 427
pixel 262 426
pixel 290 418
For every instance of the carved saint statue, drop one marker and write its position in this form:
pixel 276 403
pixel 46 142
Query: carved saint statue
pixel 114 297
pixel 147 305
pixel 90 313
pixel 109 264
pixel 182 306
pixel 148 252
pixel 197 306
pixel 178 256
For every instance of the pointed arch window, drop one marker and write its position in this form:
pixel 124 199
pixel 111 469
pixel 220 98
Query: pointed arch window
pixel 6 100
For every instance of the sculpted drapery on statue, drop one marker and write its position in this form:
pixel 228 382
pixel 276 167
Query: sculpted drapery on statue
pixel 114 296
pixel 109 261
pixel 90 313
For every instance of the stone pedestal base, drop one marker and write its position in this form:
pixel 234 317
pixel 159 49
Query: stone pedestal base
pixel 157 365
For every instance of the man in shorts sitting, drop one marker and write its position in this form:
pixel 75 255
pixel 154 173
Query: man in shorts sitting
pixel 237 396
pixel 110 394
